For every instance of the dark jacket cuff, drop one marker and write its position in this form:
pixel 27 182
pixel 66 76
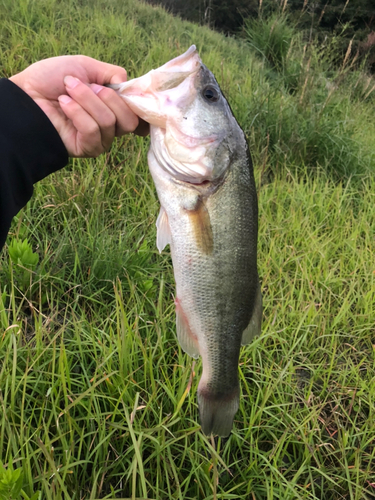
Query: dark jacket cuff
pixel 30 149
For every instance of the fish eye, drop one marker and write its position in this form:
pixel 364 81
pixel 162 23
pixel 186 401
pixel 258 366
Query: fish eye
pixel 210 94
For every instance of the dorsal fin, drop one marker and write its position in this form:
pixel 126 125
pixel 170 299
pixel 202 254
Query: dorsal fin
pixel 254 327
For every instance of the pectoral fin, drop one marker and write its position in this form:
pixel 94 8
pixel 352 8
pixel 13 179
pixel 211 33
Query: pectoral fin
pixel 254 327
pixel 201 225
pixel 163 236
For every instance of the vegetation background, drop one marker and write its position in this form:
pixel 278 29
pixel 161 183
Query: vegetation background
pixel 96 398
pixel 352 20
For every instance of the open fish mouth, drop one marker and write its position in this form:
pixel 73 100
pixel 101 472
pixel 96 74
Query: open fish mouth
pixel 149 95
pixel 184 157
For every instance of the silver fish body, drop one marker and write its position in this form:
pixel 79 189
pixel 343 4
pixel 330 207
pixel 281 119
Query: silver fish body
pixel 200 163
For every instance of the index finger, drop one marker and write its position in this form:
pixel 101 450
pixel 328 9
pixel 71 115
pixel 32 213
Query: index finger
pixel 126 120
pixel 102 73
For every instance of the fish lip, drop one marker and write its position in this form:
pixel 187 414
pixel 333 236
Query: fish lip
pixel 205 187
pixel 205 182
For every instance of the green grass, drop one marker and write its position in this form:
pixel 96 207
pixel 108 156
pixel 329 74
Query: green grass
pixel 97 400
pixel 312 111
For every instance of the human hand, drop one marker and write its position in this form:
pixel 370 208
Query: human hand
pixel 87 116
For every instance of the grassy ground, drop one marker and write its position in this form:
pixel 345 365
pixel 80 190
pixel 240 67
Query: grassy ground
pixel 96 398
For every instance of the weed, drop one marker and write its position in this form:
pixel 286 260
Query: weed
pixel 11 482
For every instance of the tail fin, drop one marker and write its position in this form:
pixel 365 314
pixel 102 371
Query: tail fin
pixel 217 412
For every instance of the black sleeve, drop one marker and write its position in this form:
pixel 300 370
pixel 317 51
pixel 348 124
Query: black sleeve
pixel 30 149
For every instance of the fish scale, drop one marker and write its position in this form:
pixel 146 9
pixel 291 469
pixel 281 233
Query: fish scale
pixel 201 167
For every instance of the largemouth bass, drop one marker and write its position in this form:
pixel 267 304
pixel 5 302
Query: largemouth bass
pixel 201 166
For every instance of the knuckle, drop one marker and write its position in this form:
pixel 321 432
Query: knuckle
pixel 127 126
pixel 93 151
pixel 108 121
pixel 132 124
pixel 135 122
pixel 81 59
pixel 98 151
pixel 92 129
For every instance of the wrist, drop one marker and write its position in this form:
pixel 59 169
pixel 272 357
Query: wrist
pixel 17 80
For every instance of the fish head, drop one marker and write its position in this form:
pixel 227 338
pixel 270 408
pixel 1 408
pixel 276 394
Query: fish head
pixel 194 134
pixel 200 134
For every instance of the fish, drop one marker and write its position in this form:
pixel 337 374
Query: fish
pixel 201 167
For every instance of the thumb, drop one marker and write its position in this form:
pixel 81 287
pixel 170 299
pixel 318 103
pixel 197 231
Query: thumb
pixel 119 78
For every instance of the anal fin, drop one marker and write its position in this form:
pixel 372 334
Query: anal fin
pixel 254 327
pixel 186 338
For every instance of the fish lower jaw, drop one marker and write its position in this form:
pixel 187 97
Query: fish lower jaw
pixel 205 185
pixel 199 182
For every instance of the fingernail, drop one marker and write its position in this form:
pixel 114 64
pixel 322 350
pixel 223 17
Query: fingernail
pixel 64 99
pixel 71 82
pixel 119 78
pixel 96 88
